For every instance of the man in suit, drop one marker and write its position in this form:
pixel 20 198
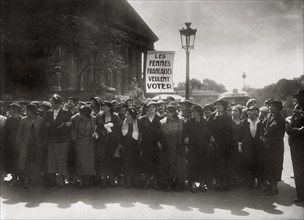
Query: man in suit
pixel 59 122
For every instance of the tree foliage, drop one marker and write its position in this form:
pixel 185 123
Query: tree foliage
pixel 206 84
pixel 284 90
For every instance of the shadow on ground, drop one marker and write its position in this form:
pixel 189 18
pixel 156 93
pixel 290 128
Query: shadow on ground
pixel 235 200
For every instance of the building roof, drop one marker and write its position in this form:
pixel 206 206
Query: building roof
pixel 234 93
pixel 199 92
pixel 122 14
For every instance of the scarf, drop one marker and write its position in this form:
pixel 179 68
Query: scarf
pixel 125 128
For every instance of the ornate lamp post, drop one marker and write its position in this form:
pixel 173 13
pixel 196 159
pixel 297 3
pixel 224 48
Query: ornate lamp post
pixel 187 36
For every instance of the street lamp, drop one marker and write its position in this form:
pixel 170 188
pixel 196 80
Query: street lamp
pixel 187 40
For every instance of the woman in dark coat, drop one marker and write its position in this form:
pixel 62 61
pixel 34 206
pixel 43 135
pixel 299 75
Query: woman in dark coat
pixel 221 130
pixel 29 142
pixel 295 130
pixel 252 148
pixel 83 127
pixel 172 153
pixel 237 171
pixel 149 134
pixel 108 129
pixel 196 136
pixel 273 134
pixel 130 148
pixel 9 134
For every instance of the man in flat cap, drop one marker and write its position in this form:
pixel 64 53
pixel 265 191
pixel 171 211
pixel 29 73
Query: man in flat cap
pixel 272 136
pixel 59 122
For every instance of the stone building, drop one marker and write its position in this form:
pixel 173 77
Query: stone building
pixel 72 77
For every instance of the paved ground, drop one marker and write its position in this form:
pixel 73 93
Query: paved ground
pixel 121 203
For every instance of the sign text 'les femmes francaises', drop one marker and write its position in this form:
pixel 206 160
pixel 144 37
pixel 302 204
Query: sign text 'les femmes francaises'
pixel 159 71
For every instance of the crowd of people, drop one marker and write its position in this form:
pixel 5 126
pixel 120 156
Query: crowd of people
pixel 163 145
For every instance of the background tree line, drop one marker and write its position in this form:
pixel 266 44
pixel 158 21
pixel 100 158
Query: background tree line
pixel 284 89
pixel 206 84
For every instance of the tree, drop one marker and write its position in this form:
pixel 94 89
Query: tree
pixel 212 85
pixel 207 84
pixel 284 89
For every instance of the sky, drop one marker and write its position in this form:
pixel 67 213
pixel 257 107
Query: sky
pixel 263 38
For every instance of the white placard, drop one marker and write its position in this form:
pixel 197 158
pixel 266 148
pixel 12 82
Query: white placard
pixel 159 71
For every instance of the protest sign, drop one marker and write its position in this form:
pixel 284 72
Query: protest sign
pixel 159 71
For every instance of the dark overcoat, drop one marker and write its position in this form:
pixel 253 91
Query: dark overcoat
pixel 58 132
pixel 296 142
pixel 106 143
pixel 273 135
pixel 149 134
pixel 198 160
pixel 172 155
pixel 23 138
pixel 221 130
